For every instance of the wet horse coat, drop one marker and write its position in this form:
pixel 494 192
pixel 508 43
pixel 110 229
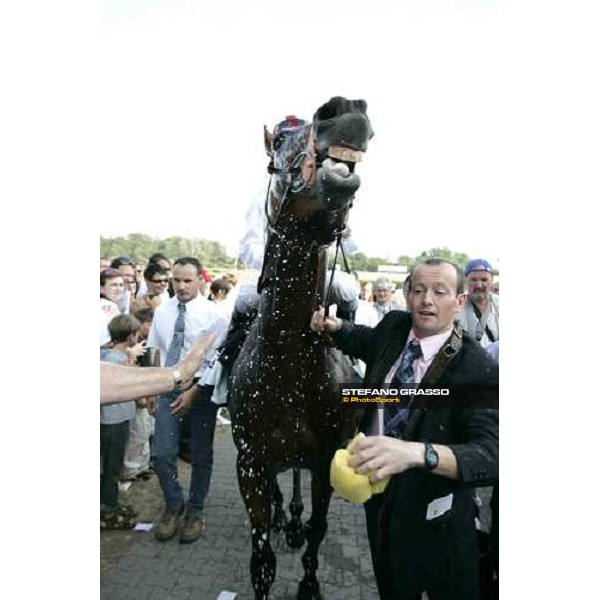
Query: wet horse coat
pixel 283 389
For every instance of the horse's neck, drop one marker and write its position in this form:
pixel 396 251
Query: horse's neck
pixel 295 290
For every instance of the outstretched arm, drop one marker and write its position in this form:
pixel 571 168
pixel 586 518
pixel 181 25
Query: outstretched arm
pixel 120 384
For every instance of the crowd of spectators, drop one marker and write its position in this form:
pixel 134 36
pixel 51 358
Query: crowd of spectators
pixel 130 293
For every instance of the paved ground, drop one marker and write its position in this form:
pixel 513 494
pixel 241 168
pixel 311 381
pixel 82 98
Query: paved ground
pixel 136 567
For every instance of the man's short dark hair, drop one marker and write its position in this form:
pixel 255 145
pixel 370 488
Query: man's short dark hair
pixel 121 327
pixel 436 262
pixel 154 269
pixel 121 260
pixel 189 260
pixel 158 256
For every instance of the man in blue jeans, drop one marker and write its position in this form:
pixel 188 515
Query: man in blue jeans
pixel 177 325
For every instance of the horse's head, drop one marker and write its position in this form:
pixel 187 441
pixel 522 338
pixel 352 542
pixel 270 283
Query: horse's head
pixel 313 165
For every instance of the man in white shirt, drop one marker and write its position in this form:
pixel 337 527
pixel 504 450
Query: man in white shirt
pixel 177 325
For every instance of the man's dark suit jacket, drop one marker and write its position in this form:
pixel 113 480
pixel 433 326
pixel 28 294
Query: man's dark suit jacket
pixel 423 554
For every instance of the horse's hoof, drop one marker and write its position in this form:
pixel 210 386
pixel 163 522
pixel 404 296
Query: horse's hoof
pixel 309 590
pixel 280 521
pixel 294 536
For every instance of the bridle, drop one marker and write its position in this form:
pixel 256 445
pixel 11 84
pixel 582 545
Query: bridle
pixel 289 169
pixel 298 175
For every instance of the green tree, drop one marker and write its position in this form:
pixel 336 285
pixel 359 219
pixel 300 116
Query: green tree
pixel 360 261
pixel 140 247
pixel 459 258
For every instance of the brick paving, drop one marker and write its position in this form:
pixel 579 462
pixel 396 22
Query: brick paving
pixel 136 567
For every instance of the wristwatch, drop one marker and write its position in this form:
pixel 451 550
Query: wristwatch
pixel 177 380
pixel 432 458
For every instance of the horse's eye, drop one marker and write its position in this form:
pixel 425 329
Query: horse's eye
pixel 277 141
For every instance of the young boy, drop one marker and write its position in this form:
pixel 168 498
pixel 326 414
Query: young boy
pixel 114 428
pixel 136 462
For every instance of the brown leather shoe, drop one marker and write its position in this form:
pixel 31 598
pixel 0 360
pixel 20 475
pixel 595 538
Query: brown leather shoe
pixel 193 528
pixel 166 528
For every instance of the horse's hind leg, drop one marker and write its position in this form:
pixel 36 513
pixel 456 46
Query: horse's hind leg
pixel 316 528
pixel 294 531
pixel 256 489
pixel 279 517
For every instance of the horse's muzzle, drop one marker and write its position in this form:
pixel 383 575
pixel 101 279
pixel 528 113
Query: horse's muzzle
pixel 336 185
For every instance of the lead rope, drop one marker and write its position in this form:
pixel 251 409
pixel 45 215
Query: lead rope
pixel 345 259
pixel 338 243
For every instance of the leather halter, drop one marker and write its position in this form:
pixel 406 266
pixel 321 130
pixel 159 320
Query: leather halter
pixel 297 176
pixel 296 168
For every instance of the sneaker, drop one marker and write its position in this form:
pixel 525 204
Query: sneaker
pixel 193 528
pixel 166 528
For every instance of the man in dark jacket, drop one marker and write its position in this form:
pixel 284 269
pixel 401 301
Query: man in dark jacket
pixel 422 529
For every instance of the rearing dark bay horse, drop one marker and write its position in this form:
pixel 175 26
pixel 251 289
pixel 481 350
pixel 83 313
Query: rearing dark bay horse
pixel 283 389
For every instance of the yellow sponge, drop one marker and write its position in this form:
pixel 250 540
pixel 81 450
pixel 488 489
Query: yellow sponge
pixel 347 482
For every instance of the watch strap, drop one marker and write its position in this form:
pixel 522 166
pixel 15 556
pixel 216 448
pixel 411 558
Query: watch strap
pixel 177 379
pixel 432 458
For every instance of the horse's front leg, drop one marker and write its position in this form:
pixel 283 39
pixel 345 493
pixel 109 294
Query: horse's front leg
pixel 316 527
pixel 256 487
pixel 294 531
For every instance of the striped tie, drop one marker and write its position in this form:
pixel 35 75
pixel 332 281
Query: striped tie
pixel 174 351
pixel 396 414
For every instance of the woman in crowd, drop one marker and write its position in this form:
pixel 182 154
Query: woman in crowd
pixel 219 289
pixel 112 288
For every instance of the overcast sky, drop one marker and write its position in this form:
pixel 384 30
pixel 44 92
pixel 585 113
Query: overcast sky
pixel 187 88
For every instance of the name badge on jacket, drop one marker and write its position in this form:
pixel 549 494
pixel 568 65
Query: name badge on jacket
pixel 436 508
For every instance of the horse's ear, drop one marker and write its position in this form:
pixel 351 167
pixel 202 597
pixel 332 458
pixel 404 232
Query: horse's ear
pixel 268 140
